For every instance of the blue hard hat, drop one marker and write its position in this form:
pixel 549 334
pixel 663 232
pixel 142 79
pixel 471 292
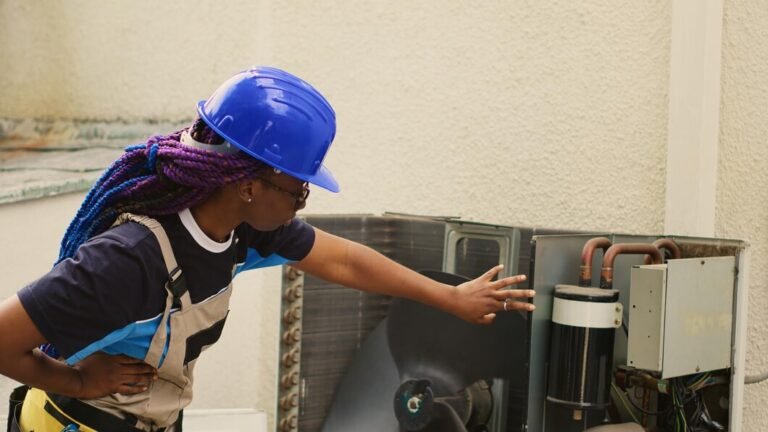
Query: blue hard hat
pixel 277 118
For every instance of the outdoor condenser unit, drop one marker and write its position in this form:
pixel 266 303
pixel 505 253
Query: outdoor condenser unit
pixel 353 361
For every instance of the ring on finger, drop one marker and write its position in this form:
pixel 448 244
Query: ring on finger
pixel 505 304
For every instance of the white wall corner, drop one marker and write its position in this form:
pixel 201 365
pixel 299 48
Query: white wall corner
pixel 694 117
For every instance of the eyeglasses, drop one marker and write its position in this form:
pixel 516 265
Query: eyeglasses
pixel 298 198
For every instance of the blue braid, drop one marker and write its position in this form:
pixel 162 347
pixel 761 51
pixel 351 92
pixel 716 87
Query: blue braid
pixel 85 205
pixel 152 158
pixel 135 147
pixel 66 248
pixel 86 224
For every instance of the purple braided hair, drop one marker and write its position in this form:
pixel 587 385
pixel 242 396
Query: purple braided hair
pixel 162 176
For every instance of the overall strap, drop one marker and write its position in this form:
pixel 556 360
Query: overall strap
pixel 178 297
pixel 176 283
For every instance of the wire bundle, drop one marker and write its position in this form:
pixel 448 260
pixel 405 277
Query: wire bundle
pixel 686 411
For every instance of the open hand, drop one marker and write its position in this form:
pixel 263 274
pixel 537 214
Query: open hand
pixel 103 374
pixel 478 300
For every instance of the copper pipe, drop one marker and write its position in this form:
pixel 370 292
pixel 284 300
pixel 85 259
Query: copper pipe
pixel 668 244
pixel 636 379
pixel 606 274
pixel 587 253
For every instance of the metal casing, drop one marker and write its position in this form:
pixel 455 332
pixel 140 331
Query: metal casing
pixel 681 316
pixel 646 313
pixel 555 260
pixel 336 321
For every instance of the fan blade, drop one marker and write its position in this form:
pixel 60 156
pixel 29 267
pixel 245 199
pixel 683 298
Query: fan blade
pixel 363 400
pixel 451 353
pixel 444 419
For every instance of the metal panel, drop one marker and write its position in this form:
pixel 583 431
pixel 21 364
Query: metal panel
pixel 622 266
pixel 741 312
pixel 556 261
pixel 341 319
pixel 470 250
pixel 336 320
pixel 506 238
pixel 647 307
pixel 697 335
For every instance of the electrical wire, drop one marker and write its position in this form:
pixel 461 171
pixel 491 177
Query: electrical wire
pixel 686 410
pixel 678 399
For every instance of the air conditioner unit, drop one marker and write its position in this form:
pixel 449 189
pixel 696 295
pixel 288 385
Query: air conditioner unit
pixel 332 335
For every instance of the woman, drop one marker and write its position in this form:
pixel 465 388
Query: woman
pixel 144 275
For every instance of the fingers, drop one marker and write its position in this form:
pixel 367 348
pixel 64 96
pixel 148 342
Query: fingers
pixel 144 380
pixel 130 390
pixel 507 281
pixel 507 305
pixel 486 319
pixel 498 299
pixel 137 374
pixel 137 369
pixel 502 295
pixel 490 274
pixel 510 305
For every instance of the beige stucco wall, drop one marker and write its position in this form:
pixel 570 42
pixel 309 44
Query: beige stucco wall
pixel 742 195
pixel 528 113
pixel 534 115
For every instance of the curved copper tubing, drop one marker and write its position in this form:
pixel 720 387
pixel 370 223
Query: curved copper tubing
pixel 587 253
pixel 606 274
pixel 668 244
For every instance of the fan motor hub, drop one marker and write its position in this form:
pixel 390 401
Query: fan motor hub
pixel 414 400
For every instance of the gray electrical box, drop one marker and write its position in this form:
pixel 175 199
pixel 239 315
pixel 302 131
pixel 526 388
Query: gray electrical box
pixel 681 315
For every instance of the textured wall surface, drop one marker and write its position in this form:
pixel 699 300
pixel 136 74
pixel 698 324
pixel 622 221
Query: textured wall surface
pixel 514 113
pixel 545 116
pixel 742 195
pixel 125 60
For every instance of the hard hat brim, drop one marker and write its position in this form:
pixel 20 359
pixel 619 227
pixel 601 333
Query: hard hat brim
pixel 324 179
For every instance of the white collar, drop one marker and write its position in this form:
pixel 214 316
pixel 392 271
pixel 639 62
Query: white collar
pixel 200 237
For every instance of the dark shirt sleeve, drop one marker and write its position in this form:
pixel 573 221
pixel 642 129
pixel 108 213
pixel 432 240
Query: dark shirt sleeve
pixel 105 286
pixel 289 243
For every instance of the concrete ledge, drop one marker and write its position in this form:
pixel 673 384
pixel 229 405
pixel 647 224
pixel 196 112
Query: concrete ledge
pixel 40 158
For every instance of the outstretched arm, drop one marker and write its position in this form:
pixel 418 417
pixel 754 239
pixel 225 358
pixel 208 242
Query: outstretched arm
pixel 357 266
pixel 96 376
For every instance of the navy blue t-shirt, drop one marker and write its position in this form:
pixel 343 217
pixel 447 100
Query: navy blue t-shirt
pixel 111 295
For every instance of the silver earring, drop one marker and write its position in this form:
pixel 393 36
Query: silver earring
pixel 250 199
